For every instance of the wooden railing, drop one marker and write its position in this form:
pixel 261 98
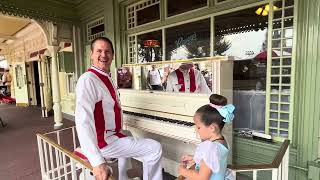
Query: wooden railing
pixel 279 165
pixel 57 162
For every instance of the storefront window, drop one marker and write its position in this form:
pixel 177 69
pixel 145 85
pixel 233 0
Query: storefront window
pixel 150 47
pixel 243 35
pixel 187 41
pixel 180 6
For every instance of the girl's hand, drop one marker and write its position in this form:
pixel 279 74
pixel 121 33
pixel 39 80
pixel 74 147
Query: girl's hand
pixel 181 170
pixel 186 159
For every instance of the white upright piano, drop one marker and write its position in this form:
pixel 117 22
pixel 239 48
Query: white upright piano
pixel 168 117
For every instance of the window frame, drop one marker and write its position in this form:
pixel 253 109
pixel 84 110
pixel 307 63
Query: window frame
pixel 211 13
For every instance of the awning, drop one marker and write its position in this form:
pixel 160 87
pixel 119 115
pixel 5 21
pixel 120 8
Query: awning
pixel 35 55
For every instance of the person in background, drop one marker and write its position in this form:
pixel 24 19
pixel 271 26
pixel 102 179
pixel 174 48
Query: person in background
pixel 211 154
pixel 124 78
pixel 187 79
pixel 154 78
pixel 98 118
pixel 6 80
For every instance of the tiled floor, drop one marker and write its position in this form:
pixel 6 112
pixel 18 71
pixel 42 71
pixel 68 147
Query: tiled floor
pixel 18 146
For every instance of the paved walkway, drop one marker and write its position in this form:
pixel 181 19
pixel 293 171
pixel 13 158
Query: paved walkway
pixel 19 158
pixel 18 143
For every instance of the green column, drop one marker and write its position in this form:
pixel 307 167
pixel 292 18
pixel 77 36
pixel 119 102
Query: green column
pixel 307 104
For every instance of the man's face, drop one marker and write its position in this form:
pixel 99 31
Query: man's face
pixel 186 66
pixel 102 55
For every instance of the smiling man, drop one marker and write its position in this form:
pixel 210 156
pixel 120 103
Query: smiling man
pixel 98 119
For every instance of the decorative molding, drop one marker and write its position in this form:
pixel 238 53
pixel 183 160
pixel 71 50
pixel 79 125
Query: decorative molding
pixel 9 8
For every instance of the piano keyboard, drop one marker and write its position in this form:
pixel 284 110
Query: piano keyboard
pixel 176 129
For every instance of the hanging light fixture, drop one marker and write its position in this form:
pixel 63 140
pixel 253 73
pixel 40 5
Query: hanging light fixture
pixel 264 10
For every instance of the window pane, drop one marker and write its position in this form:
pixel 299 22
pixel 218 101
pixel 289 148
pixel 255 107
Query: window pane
pixel 180 6
pixel 157 77
pixel 187 41
pixel 243 35
pixel 150 47
pixel 149 14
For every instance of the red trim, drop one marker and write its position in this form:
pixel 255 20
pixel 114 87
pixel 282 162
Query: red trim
pixel 192 77
pixel 100 124
pixel 117 108
pixel 120 135
pixel 80 155
pixel 180 80
pixel 34 54
pixel 192 80
pixel 42 51
pixel 67 44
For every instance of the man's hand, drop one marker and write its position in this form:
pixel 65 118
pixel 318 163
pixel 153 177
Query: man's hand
pixel 101 172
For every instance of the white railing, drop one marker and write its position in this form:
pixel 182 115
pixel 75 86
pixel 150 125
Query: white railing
pixel 57 162
pixel 279 166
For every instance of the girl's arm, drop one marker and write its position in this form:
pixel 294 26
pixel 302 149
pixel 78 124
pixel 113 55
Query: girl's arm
pixel 203 174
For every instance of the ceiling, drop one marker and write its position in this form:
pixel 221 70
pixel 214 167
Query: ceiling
pixel 9 27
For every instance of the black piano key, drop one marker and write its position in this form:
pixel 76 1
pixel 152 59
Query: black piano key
pixel 173 121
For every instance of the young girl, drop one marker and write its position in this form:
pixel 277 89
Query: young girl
pixel 211 154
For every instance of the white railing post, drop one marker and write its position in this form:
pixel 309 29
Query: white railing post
pixel 41 156
pixel 285 165
pixel 254 174
pixel 280 170
pixel 73 170
pixel 234 173
pixel 275 174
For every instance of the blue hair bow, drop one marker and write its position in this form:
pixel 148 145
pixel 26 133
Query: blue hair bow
pixel 227 112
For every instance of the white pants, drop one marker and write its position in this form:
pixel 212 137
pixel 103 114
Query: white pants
pixel 148 150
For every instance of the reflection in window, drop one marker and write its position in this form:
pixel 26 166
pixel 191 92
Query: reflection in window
pixel 180 6
pixel 155 78
pixel 169 77
pixel 187 41
pixel 149 47
pixel 243 35
pixel 124 77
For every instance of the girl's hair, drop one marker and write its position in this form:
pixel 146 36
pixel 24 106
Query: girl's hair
pixel 209 114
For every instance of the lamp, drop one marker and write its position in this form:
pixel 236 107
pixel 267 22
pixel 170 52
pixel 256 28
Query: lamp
pixel 264 10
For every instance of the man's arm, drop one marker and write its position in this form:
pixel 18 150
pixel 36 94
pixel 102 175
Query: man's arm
pixel 170 81
pixel 86 94
pixel 203 85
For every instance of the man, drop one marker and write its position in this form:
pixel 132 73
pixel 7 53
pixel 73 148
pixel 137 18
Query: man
pixel 98 119
pixel 154 78
pixel 6 80
pixel 187 79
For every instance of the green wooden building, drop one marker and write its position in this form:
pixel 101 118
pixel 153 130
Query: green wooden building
pixel 277 43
